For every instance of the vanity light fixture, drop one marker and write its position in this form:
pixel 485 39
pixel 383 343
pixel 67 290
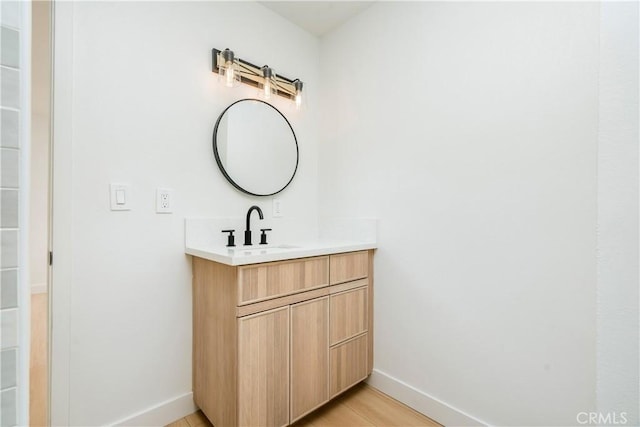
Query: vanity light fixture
pixel 233 70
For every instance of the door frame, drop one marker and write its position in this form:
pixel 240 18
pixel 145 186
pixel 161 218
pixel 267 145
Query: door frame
pixel 61 225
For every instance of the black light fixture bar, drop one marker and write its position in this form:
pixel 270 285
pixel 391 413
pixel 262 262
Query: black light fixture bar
pixel 251 74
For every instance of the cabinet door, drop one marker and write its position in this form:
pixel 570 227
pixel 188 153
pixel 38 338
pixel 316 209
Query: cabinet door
pixel 348 363
pixel 263 368
pixel 309 356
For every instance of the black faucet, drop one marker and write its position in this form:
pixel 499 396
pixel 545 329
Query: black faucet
pixel 247 232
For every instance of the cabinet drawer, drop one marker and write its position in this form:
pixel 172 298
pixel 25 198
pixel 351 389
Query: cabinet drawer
pixel 348 364
pixel 349 266
pixel 275 279
pixel 348 314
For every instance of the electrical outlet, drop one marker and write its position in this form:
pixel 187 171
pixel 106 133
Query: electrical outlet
pixel 164 200
pixel 277 208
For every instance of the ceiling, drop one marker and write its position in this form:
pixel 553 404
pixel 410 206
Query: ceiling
pixel 317 17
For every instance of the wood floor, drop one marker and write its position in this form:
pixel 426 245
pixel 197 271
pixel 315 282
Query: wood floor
pixel 38 369
pixel 361 406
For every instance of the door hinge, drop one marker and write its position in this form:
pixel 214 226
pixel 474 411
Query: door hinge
pixel 50 258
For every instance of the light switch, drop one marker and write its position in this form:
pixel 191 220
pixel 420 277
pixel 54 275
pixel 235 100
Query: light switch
pixel 120 197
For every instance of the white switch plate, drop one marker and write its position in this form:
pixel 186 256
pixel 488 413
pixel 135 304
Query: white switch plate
pixel 164 200
pixel 277 208
pixel 120 197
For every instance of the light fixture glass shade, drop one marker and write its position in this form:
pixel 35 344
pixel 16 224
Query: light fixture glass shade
pixel 228 69
pixel 269 85
pixel 299 97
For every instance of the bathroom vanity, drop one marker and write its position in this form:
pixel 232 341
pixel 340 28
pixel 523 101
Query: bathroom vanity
pixel 278 334
pixel 278 330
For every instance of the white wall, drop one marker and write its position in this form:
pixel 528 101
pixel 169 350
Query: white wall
pixel 470 131
pixel 618 330
pixel 140 109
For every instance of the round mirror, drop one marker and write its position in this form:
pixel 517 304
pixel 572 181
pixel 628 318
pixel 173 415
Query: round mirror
pixel 255 147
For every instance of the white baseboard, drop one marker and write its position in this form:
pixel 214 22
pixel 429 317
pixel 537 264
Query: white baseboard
pixel 420 401
pixel 39 288
pixel 163 413
pixel 173 409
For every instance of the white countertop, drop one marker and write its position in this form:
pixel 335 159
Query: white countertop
pixel 244 255
pixel 204 239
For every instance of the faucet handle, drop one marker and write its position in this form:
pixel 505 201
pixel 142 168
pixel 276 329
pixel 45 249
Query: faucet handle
pixel 263 236
pixel 231 238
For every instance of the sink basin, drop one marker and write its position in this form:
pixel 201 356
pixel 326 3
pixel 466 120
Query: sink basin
pixel 257 249
pixel 284 246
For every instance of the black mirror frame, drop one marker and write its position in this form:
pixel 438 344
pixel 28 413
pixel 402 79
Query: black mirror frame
pixel 219 162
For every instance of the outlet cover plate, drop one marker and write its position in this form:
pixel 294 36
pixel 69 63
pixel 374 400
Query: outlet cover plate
pixel 277 208
pixel 164 200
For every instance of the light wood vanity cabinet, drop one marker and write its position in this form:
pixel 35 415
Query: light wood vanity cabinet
pixel 274 341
